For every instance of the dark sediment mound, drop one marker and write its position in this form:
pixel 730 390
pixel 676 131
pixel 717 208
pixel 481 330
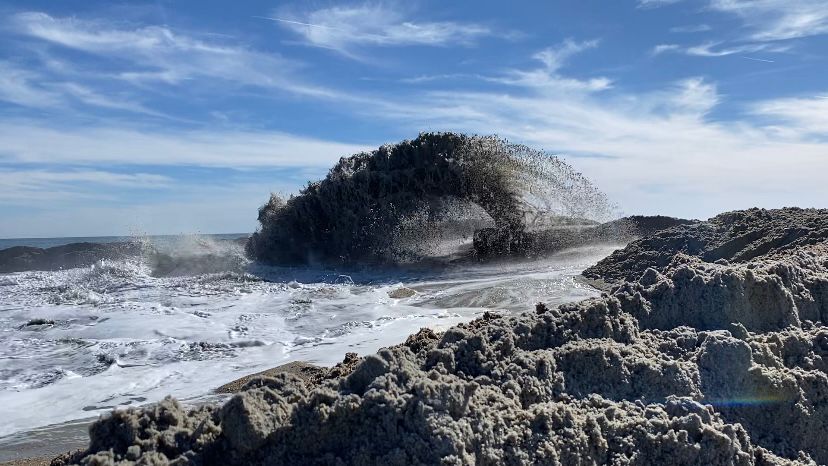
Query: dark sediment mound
pixel 23 258
pixel 494 242
pixel 732 237
pixel 370 205
pixel 637 226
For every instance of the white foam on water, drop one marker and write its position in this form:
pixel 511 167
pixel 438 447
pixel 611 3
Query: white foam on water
pixel 115 335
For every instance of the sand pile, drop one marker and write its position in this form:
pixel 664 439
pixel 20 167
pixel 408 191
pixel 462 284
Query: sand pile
pixel 692 362
pixel 737 236
pixel 552 238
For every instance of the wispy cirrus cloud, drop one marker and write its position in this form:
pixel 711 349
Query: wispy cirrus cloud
pixel 664 48
pixel 718 49
pixel 162 55
pixel 30 88
pixel 768 20
pixel 802 116
pixel 651 149
pixel 18 86
pixel 24 142
pixel 89 96
pixel 655 3
pixel 548 77
pixel 346 29
pixel 691 28
pixel 771 20
pixel 28 185
pixel 635 142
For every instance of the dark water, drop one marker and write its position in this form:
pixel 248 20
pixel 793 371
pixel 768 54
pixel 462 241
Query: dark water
pixel 52 242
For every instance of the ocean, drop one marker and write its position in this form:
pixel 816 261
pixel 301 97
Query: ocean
pixel 77 343
pixel 52 242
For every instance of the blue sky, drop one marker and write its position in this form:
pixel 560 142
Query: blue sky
pixel 181 116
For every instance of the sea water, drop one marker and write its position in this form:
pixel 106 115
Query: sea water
pixel 115 334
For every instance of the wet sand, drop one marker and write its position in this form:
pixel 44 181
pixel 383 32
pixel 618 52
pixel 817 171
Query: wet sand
pixel 38 447
pixel 303 370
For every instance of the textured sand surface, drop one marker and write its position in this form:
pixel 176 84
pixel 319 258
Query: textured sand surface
pixel 42 461
pixel 737 236
pixel 711 349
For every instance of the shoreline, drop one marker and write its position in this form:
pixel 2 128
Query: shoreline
pixel 669 365
pixel 692 344
pixel 32 461
pixel 40 446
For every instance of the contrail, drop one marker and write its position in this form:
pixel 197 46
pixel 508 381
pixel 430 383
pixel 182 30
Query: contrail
pixel 290 21
pixel 758 59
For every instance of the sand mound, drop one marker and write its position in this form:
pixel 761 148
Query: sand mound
pixel 577 384
pixel 737 236
pixel 553 238
pixel 691 363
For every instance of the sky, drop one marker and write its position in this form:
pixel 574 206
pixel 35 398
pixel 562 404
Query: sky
pixel 167 117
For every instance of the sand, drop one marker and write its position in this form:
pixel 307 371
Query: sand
pixel 737 236
pixel 41 461
pixel 709 347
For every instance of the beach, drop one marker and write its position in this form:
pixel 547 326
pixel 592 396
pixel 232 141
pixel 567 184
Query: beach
pixel 695 362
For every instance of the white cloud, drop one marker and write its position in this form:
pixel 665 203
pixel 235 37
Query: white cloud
pixel 662 48
pixel 424 78
pixel 655 152
pixel 17 86
pixel 29 88
pixel 771 20
pixel 31 143
pixel 555 57
pixel 548 78
pixel 655 3
pixel 692 97
pixel 29 186
pixel 710 49
pixel 715 49
pixel 345 28
pixel 802 116
pixel 91 97
pixel 691 28
pixel 160 54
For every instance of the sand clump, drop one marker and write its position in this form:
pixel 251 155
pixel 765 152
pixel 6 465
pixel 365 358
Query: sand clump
pixel 770 293
pixel 690 362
